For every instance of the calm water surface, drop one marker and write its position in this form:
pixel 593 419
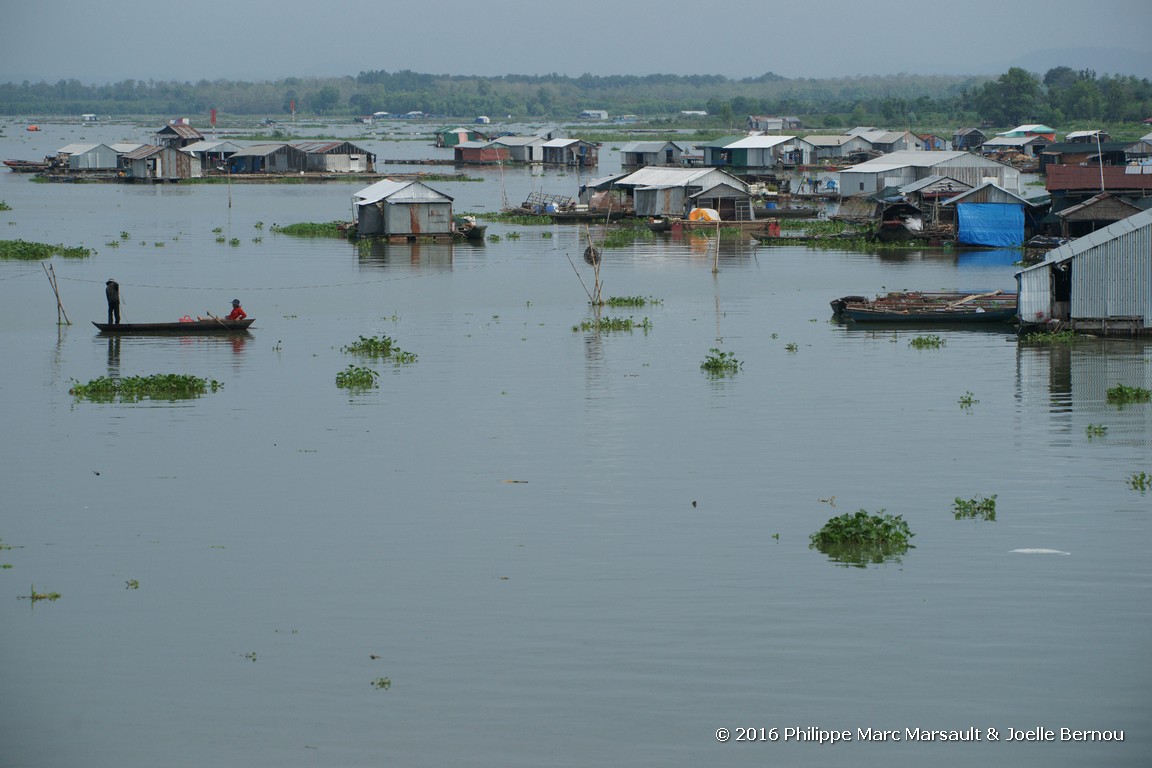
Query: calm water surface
pixel 561 548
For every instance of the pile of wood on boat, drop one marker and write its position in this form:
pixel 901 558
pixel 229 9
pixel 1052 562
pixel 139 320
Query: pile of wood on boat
pixel 928 307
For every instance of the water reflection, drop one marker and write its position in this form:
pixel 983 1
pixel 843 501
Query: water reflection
pixel 377 253
pixel 114 355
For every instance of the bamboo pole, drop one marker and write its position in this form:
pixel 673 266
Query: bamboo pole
pixel 50 273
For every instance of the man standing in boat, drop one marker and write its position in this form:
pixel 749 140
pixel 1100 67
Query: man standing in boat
pixel 112 293
pixel 237 312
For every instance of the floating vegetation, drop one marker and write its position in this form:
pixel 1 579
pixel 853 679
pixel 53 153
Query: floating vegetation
pixel 381 347
pixel 621 237
pixel 22 249
pixel 1095 430
pixel 1140 481
pixel 34 596
pixel 131 584
pixel 220 238
pixel 160 386
pixel 610 324
pixel 113 243
pixel 1122 394
pixel 4 206
pixel 234 241
pixel 158 244
pixel 514 218
pixel 1050 337
pixel 493 238
pixel 967 400
pixel 251 656
pixel 719 363
pixel 306 229
pixel 382 683
pixel 217 230
pixel 631 301
pixel 859 539
pixel 259 225
pixel 976 508
pixel 356 377
pixel 926 342
pixel 791 346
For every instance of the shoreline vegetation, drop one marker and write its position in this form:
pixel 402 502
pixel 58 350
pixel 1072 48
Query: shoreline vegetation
pixel 708 103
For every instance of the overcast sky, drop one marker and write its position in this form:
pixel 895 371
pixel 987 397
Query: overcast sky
pixel 258 40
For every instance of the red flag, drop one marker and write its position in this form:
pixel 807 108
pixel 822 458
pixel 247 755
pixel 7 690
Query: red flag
pixel 213 117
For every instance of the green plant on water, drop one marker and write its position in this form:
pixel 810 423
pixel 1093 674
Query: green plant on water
pixel 859 539
pixel 234 241
pixel 978 507
pixel 379 346
pixel 1050 337
pixel 167 386
pixel 4 206
pixel 622 237
pixel 514 218
pixel 356 377
pixel 513 235
pixel 159 244
pixel 257 239
pixel 382 683
pixel 493 238
pixel 131 584
pixel 546 235
pixel 791 347
pixel 1140 481
pixel 926 342
pixel 259 225
pixel 611 324
pixel 124 235
pixel 113 243
pixel 26 251
pixel 217 230
pixel 251 656
pixel 221 238
pixel 967 400
pixel 631 301
pixel 311 229
pixel 1122 394
pixel 719 363
pixel 34 596
pixel 1095 430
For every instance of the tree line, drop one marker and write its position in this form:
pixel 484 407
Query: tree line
pixel 1060 96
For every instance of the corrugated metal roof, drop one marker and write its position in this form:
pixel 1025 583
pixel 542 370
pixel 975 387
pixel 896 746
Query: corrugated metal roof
pixel 143 151
pixel 1136 221
pixel 982 191
pixel 398 192
pixel 928 181
pixel 664 177
pixel 518 141
pixel 759 142
pixel 560 142
pixel 829 140
pixel 915 158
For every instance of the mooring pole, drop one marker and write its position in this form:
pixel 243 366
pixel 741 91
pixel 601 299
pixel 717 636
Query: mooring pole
pixel 50 272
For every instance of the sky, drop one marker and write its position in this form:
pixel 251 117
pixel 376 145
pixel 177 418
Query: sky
pixel 258 40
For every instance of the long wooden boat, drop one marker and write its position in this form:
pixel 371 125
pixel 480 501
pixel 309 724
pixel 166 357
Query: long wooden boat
pixel 928 307
pixel 26 166
pixel 199 326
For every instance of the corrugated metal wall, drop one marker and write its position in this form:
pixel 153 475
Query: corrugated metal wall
pixel 1115 279
pixel 1035 302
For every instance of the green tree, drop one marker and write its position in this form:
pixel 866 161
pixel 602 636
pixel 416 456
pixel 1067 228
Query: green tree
pixel 1010 99
pixel 325 99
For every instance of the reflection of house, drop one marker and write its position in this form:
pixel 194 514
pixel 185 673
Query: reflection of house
pixel 638 154
pixel 1095 213
pixel 1100 283
pixel 178 134
pixel 212 154
pixel 402 210
pixel 670 191
pixel 900 168
pixel 336 157
pixel 153 163
pixel 992 216
pixel 480 153
pixel 570 152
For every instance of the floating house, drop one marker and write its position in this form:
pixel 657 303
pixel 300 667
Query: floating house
pixel 900 168
pixel 674 191
pixel 1032 129
pixel 212 155
pixel 749 152
pixel 268 158
pixel 967 139
pixel 89 157
pixel 818 149
pixel 991 216
pixel 522 149
pixel 402 211
pixel 593 114
pixel 1097 212
pixel 574 153
pixel 640 154
pixel 1100 283
pixel 759 123
pixel 160 163
pixel 450 137
pixel 480 153
pixel 336 157
pixel 178 134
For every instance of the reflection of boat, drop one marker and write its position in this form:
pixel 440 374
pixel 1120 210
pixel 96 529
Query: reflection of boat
pixel 928 307
pixel 198 326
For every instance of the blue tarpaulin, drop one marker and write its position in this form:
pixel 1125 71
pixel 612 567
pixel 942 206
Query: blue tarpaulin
pixel 996 224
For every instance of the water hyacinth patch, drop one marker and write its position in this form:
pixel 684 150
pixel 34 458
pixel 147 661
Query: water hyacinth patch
pixel 859 539
pixel 160 386
pixel 356 377
pixel 976 508
pixel 24 250
pixel 1122 394
pixel 719 363
pixel 379 347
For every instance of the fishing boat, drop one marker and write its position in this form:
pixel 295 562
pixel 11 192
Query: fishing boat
pixel 198 326
pixel 466 228
pixel 26 166
pixel 928 307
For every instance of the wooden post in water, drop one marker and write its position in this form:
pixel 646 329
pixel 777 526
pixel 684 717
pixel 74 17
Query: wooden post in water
pixel 50 272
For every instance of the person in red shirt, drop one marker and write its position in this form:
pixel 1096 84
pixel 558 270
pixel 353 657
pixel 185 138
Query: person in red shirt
pixel 237 312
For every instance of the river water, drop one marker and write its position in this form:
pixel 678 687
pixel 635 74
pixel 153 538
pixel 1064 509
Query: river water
pixel 537 545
